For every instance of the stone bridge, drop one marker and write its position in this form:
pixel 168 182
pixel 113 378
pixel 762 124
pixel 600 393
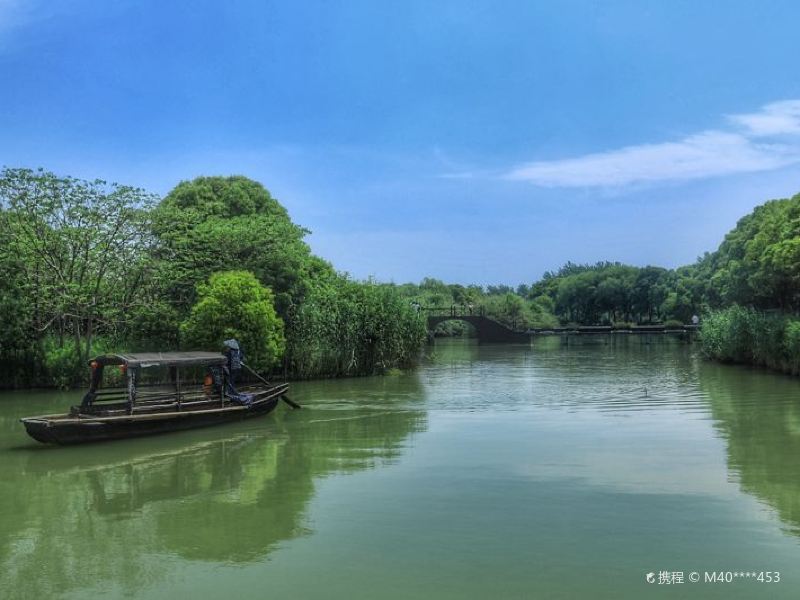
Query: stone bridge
pixel 491 331
pixel 488 330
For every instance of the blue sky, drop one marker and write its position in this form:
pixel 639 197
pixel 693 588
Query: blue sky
pixel 477 142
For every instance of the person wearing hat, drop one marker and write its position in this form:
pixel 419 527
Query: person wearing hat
pixel 233 351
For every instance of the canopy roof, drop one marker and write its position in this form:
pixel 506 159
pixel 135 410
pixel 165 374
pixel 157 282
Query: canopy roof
pixel 162 359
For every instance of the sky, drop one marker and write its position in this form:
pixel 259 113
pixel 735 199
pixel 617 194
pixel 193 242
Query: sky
pixel 475 142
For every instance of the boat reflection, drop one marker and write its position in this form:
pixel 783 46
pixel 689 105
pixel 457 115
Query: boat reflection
pixel 223 495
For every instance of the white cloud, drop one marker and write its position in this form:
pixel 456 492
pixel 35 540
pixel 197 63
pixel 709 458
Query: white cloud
pixel 778 118
pixel 709 153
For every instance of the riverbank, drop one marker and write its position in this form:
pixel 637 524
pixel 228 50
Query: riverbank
pixel 64 374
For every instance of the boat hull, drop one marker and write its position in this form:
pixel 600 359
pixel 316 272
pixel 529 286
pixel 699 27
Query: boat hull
pixel 87 429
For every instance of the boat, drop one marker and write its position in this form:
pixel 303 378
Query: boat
pixel 140 407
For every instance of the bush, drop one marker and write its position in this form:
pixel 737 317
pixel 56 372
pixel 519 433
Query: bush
pixel 513 311
pixel 233 304
pixel 63 367
pixel 791 344
pixel 745 335
pixel 348 328
pixel 673 324
pixel 62 364
pixel 726 335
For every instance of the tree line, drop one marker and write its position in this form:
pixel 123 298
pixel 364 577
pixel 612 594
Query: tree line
pixel 600 294
pixel 747 293
pixel 91 267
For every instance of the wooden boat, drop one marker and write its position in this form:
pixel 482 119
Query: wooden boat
pixel 139 408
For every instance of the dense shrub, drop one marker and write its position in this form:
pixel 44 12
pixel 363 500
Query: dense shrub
pixel 349 328
pixel 234 304
pixel 745 335
pixel 673 323
pixel 64 368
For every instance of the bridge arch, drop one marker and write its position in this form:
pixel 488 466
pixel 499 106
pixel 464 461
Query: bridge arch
pixel 488 330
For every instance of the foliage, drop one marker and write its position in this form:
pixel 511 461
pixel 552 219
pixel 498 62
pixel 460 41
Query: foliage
pixel 346 328
pixel 214 224
pixel 234 304
pixel 63 368
pixel 758 262
pixel 155 324
pixel 752 283
pixel 518 313
pixel 606 293
pixel 792 344
pixel 673 323
pixel 88 263
pixel 503 303
pixel 746 335
pixel 79 245
pixel 18 348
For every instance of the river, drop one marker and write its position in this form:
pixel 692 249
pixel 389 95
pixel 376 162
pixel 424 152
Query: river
pixel 548 471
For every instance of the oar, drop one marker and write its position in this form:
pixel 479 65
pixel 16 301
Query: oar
pixel 285 398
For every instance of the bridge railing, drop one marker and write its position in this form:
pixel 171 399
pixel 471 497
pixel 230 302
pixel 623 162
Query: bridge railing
pixel 454 311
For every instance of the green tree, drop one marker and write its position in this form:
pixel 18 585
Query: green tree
pixel 19 352
pixel 215 224
pixel 758 262
pixel 514 309
pixel 234 304
pixel 81 246
pixel 648 294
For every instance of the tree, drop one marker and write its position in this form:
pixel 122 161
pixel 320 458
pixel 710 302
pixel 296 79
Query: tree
pixel 18 339
pixel 215 224
pixel 81 246
pixel 648 294
pixel 758 262
pixel 545 303
pixel 234 304
pixel 612 296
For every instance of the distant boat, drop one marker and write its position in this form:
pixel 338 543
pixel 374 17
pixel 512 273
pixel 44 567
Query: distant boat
pixel 139 408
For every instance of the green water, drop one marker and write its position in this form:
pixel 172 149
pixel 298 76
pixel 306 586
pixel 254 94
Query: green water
pixel 490 472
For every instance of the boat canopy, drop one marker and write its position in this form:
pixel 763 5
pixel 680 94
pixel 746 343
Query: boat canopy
pixel 161 359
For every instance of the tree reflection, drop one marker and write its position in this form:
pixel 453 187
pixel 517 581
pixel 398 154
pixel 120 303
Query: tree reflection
pixel 111 513
pixel 759 415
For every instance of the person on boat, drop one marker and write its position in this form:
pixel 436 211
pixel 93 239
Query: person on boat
pixel 233 351
pixel 229 372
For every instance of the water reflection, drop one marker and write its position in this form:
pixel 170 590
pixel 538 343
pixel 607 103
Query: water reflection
pixel 549 456
pixel 227 495
pixel 758 413
pixel 624 376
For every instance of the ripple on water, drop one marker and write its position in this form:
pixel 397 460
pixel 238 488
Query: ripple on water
pixel 604 379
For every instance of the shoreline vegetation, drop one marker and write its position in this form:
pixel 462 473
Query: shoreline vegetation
pixel 91 267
